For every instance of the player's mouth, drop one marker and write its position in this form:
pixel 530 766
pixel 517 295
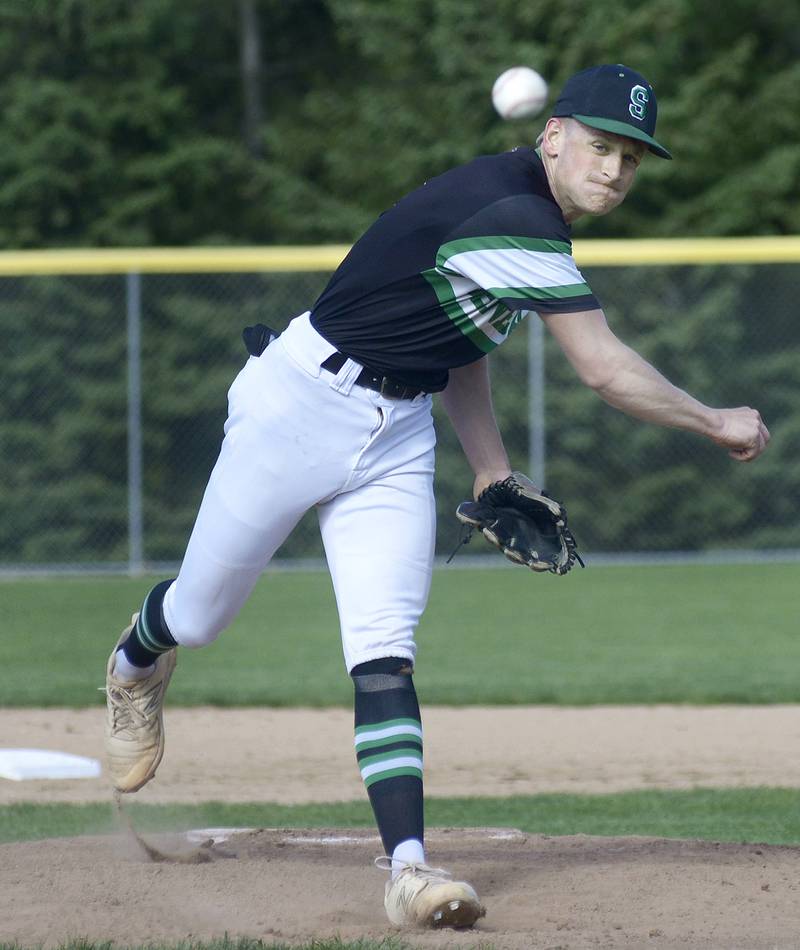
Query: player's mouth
pixel 606 186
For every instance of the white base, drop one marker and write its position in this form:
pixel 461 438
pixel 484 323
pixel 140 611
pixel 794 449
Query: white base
pixel 19 765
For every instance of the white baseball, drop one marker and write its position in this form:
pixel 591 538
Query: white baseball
pixel 519 93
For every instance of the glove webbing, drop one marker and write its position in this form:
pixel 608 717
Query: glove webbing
pixel 569 539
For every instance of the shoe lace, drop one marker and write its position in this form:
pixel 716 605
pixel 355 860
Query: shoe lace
pixel 125 712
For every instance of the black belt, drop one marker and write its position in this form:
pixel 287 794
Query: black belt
pixel 369 379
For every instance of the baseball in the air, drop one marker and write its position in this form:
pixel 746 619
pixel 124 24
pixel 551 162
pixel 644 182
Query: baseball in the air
pixel 519 93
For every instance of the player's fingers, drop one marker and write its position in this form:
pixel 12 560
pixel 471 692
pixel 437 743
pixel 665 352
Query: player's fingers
pixel 750 452
pixel 754 447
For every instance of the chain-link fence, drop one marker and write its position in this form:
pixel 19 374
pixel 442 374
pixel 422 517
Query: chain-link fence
pixel 114 396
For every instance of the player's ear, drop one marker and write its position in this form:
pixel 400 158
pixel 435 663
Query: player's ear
pixel 553 136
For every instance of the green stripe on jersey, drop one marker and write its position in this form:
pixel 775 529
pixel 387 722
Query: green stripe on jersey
pixel 541 293
pixel 469 282
pixel 453 308
pixel 500 242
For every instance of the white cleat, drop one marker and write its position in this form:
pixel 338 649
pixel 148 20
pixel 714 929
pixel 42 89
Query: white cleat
pixel 134 732
pixel 422 896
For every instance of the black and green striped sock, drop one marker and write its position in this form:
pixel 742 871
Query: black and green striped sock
pixel 388 741
pixel 150 636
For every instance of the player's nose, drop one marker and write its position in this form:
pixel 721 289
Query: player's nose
pixel 612 167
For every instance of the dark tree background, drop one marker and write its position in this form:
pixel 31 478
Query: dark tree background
pixel 170 122
pixel 178 123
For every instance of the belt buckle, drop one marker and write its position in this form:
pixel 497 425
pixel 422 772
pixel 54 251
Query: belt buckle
pixel 399 390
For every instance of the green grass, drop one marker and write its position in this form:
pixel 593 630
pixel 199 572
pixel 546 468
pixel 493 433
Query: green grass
pixel 764 815
pixel 686 634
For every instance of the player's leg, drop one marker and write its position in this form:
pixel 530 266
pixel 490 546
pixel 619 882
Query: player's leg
pixel 379 540
pixel 229 548
pixel 282 418
pixel 388 744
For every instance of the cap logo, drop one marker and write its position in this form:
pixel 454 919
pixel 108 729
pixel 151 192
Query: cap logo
pixel 639 99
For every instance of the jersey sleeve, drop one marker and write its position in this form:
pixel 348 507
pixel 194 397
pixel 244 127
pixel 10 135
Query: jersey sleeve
pixel 523 267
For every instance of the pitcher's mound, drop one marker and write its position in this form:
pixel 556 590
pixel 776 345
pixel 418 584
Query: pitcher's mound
pixel 291 886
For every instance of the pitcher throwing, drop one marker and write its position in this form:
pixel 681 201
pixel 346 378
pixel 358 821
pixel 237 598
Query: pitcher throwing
pixel 335 414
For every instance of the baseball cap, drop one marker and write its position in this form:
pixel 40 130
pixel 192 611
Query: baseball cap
pixel 615 99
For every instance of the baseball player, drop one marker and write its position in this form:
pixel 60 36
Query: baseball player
pixel 335 414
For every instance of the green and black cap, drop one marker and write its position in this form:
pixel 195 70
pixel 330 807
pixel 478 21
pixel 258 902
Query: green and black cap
pixel 615 99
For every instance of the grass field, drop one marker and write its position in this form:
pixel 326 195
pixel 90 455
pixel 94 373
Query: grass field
pixel 766 816
pixel 682 634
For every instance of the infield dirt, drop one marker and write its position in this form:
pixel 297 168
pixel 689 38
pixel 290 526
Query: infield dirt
pixel 290 886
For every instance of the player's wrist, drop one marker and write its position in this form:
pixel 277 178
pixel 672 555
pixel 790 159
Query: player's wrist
pixel 487 477
pixel 715 425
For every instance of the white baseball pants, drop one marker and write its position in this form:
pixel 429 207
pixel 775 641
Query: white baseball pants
pixel 297 437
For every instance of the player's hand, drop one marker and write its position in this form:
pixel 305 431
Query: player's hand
pixel 742 432
pixel 486 478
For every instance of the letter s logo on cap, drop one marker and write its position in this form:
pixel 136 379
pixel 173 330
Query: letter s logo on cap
pixel 639 99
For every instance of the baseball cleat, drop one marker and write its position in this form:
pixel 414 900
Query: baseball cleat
pixel 422 896
pixel 134 732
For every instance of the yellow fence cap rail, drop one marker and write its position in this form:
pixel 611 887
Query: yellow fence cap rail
pixel 663 251
pixel 179 260
pixel 325 258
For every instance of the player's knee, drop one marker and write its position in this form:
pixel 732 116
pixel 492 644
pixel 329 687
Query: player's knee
pixel 195 637
pixel 193 628
pixel 194 619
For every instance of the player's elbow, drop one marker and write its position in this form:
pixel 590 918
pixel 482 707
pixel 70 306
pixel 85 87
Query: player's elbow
pixel 598 375
pixel 606 367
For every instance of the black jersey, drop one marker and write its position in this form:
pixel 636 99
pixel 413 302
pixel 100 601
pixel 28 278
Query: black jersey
pixel 443 276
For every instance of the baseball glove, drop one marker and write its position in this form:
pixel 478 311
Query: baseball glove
pixel 527 525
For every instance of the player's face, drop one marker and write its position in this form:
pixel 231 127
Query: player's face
pixel 591 171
